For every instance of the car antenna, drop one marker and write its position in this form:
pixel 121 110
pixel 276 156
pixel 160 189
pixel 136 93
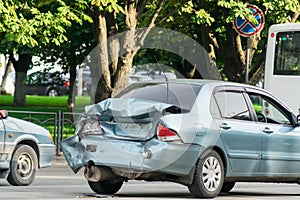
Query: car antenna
pixel 166 78
pixel 161 69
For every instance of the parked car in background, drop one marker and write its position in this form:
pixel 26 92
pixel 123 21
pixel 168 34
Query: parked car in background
pixel 206 135
pixel 24 147
pixel 158 75
pixel 150 75
pixel 47 83
pixel 138 78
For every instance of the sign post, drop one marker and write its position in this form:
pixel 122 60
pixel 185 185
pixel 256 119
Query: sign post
pixel 246 28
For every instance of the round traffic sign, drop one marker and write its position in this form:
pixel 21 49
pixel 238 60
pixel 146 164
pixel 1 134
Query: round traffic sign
pixel 245 27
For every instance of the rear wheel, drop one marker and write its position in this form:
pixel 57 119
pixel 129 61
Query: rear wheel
pixel 105 187
pixel 23 166
pixel 52 92
pixel 209 176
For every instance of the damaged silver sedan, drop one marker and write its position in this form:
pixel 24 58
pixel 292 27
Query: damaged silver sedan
pixel 206 135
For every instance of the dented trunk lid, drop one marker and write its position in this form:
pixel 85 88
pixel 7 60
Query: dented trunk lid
pixel 128 119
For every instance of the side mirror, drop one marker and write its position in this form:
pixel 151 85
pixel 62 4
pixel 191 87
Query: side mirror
pixel 295 120
pixel 3 114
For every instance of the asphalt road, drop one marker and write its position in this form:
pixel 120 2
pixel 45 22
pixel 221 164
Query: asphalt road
pixel 59 182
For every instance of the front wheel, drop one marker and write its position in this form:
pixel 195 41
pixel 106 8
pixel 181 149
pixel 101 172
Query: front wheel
pixel 105 187
pixel 23 166
pixel 209 176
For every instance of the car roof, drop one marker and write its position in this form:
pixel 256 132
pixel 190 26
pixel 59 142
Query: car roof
pixel 211 84
pixel 201 82
pixel 217 83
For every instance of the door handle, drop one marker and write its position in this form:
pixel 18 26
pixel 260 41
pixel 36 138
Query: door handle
pixel 225 126
pixel 267 130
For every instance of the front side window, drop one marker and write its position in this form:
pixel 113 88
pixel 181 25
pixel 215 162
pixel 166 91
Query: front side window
pixel 287 54
pixel 232 105
pixel 267 111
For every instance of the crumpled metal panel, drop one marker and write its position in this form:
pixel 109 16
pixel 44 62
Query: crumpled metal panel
pixel 125 108
pixel 131 156
pixel 73 150
pixel 134 119
pixel 119 119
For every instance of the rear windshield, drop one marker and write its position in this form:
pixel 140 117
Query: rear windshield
pixel 178 94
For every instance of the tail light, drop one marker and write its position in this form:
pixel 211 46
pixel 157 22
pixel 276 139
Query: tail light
pixel 167 135
pixel 67 83
pixel 88 128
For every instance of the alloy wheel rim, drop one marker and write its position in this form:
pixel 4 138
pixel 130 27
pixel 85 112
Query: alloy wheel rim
pixel 211 173
pixel 52 93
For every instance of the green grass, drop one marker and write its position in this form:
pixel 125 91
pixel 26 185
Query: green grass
pixel 45 104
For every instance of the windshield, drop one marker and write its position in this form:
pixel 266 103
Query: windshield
pixel 178 94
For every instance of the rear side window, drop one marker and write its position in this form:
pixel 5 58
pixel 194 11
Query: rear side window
pixel 232 105
pixel 177 94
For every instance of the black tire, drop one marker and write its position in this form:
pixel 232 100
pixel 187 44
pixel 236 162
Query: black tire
pixel 227 186
pixel 105 187
pixel 209 176
pixel 23 166
pixel 52 92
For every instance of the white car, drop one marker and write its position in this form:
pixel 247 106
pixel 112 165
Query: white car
pixel 24 148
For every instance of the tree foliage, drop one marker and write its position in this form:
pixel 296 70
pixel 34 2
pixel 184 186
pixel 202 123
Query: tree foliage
pixel 32 27
pixel 28 24
pixel 210 22
pixel 26 27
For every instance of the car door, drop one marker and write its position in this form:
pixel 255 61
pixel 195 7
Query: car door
pixel 281 139
pixel 240 135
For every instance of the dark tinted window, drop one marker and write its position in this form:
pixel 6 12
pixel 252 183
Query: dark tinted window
pixel 232 105
pixel 287 54
pixel 42 78
pixel 180 95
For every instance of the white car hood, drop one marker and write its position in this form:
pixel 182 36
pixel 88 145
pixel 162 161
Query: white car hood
pixel 14 124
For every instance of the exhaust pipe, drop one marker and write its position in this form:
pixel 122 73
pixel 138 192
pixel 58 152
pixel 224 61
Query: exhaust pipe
pixel 96 174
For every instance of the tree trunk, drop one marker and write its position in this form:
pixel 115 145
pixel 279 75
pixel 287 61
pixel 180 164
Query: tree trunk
pixel 8 67
pixel 257 71
pixel 104 89
pixel 121 77
pixel 20 89
pixel 21 67
pixel 233 55
pixel 113 73
pixel 72 87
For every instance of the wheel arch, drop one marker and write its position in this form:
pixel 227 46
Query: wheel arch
pixel 50 88
pixel 223 157
pixel 33 145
